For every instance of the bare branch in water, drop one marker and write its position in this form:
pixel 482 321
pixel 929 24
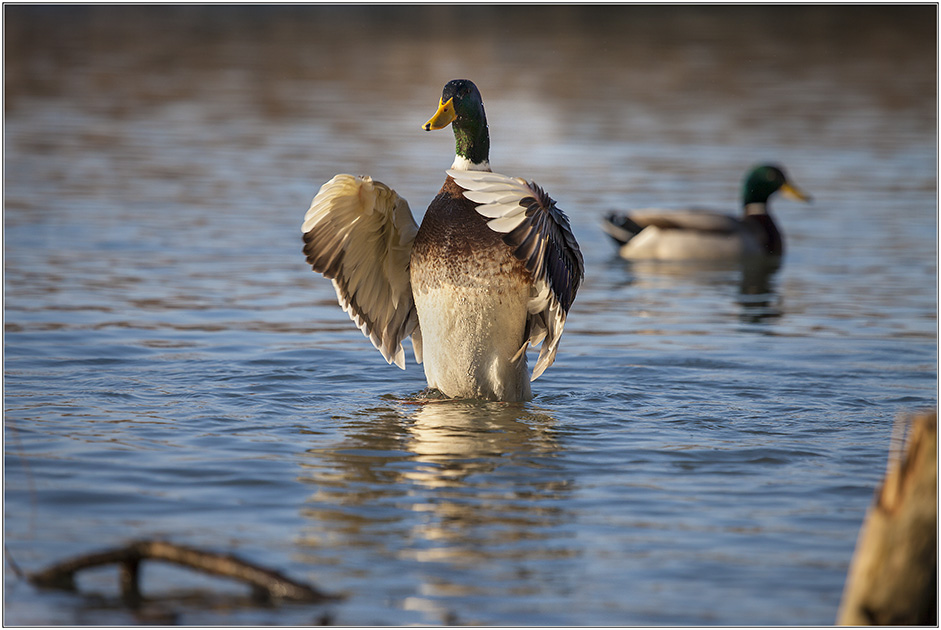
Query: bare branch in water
pixel 267 585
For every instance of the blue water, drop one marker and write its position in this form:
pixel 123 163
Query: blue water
pixel 705 446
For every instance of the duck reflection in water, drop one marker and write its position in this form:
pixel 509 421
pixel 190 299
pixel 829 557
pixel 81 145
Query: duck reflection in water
pixel 757 294
pixel 452 483
pixel 452 441
pixel 753 279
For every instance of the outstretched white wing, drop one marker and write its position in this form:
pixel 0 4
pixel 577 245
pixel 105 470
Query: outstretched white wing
pixel 359 233
pixel 539 234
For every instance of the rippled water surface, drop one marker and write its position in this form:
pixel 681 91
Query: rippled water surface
pixel 707 442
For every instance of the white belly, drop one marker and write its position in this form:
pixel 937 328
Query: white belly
pixel 469 337
pixel 656 244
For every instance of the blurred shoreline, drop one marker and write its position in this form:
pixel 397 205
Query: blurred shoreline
pixel 302 41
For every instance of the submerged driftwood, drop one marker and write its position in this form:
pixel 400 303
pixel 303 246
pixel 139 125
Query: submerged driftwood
pixel 893 578
pixel 267 585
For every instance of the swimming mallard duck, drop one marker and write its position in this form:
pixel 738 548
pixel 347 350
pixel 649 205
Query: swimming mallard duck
pixel 654 234
pixel 493 268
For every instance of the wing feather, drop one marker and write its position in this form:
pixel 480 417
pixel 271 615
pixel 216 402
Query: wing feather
pixel 696 220
pixel 539 234
pixel 359 233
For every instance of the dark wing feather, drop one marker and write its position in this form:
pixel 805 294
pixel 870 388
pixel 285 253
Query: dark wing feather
pixel 544 240
pixel 539 234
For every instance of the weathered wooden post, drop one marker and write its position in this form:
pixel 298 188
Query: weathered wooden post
pixel 893 577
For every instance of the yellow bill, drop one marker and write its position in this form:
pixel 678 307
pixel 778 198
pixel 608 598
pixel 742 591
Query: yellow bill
pixel 443 117
pixel 793 192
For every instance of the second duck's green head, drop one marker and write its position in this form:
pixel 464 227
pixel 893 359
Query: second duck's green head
pixel 462 107
pixel 764 181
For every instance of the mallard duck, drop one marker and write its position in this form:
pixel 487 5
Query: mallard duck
pixel 654 234
pixel 493 269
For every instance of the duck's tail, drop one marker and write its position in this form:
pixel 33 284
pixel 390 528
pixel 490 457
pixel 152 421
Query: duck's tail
pixel 620 227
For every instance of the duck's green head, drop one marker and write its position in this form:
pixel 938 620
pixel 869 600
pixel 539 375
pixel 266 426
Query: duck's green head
pixel 462 107
pixel 764 181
